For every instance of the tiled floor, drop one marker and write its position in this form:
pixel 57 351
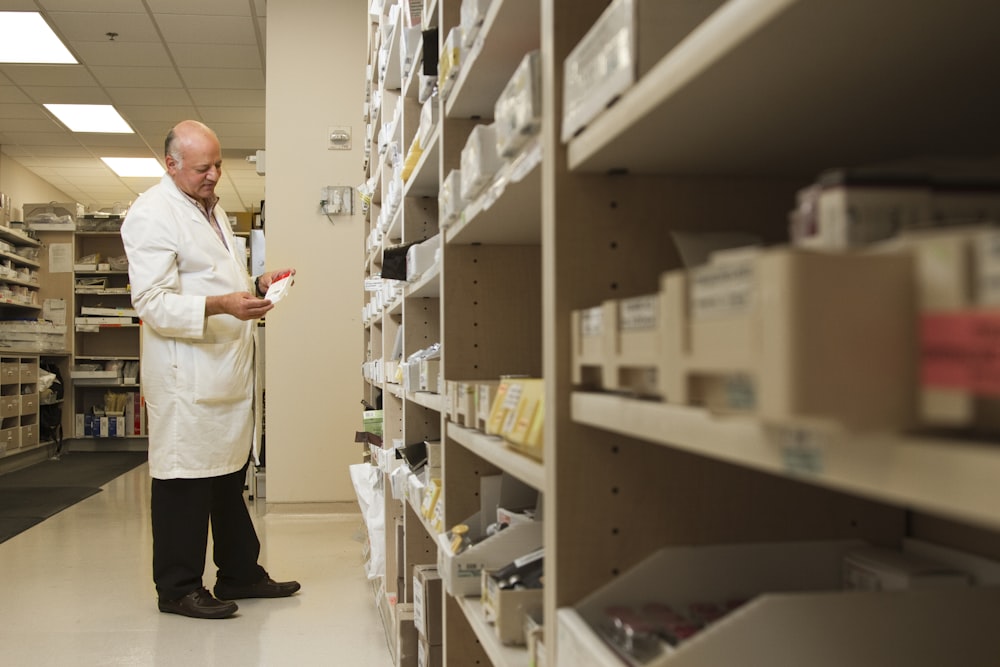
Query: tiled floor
pixel 77 591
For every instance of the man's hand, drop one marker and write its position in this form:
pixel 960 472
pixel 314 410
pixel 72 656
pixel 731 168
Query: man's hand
pixel 265 279
pixel 241 305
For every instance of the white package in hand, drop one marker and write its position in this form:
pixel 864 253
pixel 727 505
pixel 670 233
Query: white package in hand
pixel 279 288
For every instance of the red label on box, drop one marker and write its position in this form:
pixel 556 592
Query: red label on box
pixel 961 351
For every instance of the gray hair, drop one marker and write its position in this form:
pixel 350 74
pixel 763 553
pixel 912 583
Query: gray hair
pixel 170 149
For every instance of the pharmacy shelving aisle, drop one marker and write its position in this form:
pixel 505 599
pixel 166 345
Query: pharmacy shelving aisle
pixel 663 122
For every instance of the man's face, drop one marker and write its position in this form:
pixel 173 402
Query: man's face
pixel 200 170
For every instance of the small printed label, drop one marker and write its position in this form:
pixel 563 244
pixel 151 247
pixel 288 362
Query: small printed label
pixel 961 351
pixel 724 289
pixel 513 396
pixel 988 270
pixel 637 313
pixel 801 450
pixel 592 322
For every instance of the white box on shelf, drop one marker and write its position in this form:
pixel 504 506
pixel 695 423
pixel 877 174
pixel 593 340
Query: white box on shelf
pixel 518 111
pixel 480 160
pixel 789 590
pixel 422 257
pixel 623 44
pixel 450 200
pixel 461 572
pixel 471 17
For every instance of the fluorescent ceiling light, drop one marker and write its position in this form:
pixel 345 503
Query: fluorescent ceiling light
pixel 135 166
pixel 90 118
pixel 27 38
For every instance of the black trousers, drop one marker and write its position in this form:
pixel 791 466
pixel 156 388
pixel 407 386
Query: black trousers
pixel 181 512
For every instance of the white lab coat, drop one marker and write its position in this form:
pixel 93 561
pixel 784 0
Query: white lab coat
pixel 197 372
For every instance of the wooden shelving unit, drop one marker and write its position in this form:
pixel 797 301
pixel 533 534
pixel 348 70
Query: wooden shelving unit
pixel 718 134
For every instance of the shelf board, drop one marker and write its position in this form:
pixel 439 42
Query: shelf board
pixel 14 236
pixel 511 28
pixel 509 211
pixel 499 655
pixel 393 79
pixel 754 90
pixel 17 281
pixel 20 259
pixel 897 469
pixel 104 292
pixel 106 357
pixel 29 306
pixel 423 180
pixel 493 449
pixel 411 86
pixel 428 285
pixel 426 399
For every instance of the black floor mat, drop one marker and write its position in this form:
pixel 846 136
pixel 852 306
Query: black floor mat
pixel 75 469
pixel 31 495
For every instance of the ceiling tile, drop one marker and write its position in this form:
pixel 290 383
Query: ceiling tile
pixel 67 94
pixel 137 77
pixel 229 79
pixel 218 56
pixel 188 29
pixel 224 98
pixel 97 54
pixel 101 6
pixel 48 75
pixel 8 125
pixel 149 96
pixel 199 7
pixel 93 26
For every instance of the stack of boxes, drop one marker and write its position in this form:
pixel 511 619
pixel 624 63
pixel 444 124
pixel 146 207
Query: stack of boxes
pixel 427 615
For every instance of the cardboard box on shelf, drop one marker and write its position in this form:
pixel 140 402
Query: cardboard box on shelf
pixel 793 336
pixel 460 572
pixel 427 602
pixel 406 636
pixel 508 609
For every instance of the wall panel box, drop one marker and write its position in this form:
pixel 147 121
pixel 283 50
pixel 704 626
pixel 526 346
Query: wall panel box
pixel 508 610
pixel 406 636
pixel 430 655
pixel 624 43
pixel 792 614
pixel 793 336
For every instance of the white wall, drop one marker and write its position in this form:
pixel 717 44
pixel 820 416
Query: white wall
pixel 24 187
pixel 316 54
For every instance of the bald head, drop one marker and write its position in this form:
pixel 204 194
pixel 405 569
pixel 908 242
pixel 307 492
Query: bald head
pixel 193 156
pixel 183 133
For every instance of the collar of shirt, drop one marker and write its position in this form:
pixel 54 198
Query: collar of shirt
pixel 209 212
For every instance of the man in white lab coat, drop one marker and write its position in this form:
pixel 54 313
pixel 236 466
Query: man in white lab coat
pixel 198 306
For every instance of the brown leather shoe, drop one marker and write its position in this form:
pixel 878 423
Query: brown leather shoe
pixel 199 603
pixel 265 588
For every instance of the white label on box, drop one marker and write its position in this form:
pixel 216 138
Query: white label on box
pixel 988 269
pixel 723 289
pixel 592 322
pixel 637 313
